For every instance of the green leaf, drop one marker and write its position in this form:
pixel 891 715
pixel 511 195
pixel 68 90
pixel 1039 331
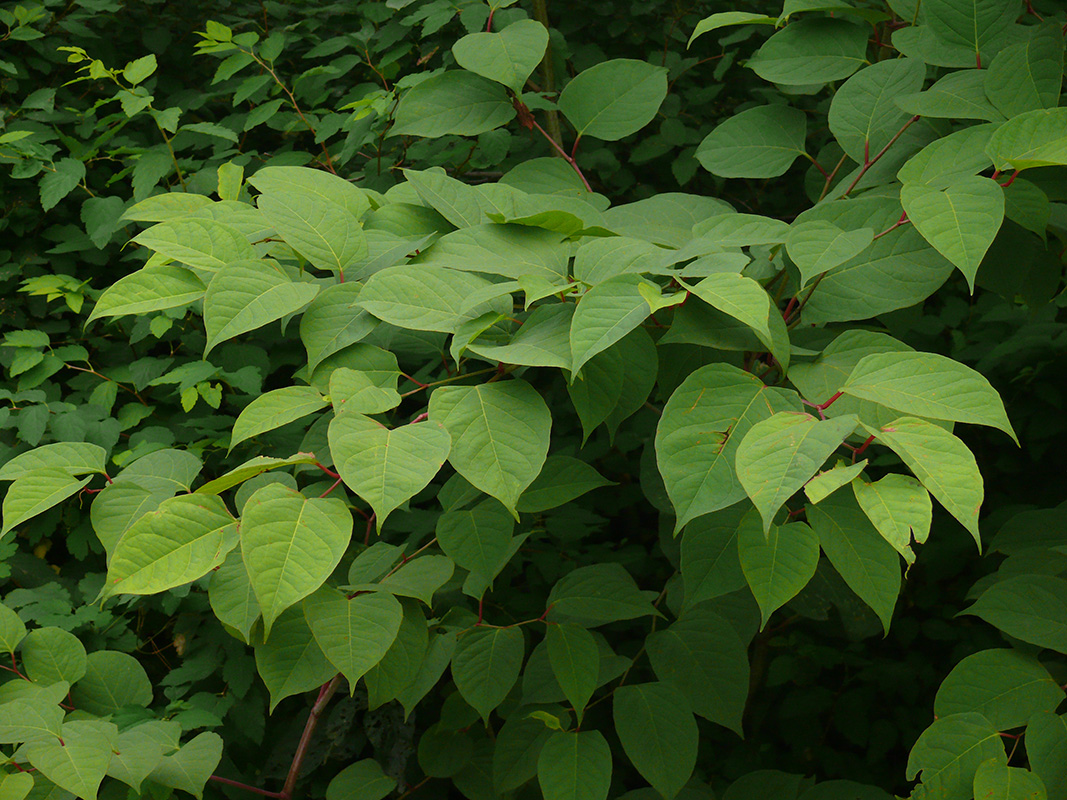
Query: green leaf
pixel 863 115
pixel 231 595
pixel 478 539
pixel 486 665
pixel 948 754
pixel 899 507
pixel 542 341
pixel 928 385
pixel 869 565
pixel 78 761
pixel 958 95
pixel 817 247
pixel 16 785
pixel 1034 139
pixel 811 51
pixel 140 69
pixel 508 57
pixel 292 662
pixel 251 468
pixel 829 481
pixel 362 780
pixel 202 243
pixel 317 183
pixel 728 18
pixel 424 298
pixel 500 434
pixel 60 180
pixel 75 458
pixel 704 658
pixel 139 751
pixel 561 480
pixel 1026 76
pixel 998 781
pixel 518 745
pixel 323 232
pixel 596 392
pixel 740 297
pixel 1046 736
pixel 760 142
pixel 456 102
pixel 355 390
pixel 458 202
pixel 942 463
pixel 419 578
pixel 978 25
pixel 709 562
pixel 960 221
pixel 165 206
pixel 779 454
pixel 605 314
pixel 181 541
pixel 699 432
pixel 150 289
pixel 243 297
pixel 575 766
pixel 290 545
pixel 274 409
pixel 777 563
pixel 12 629
pixel 112 681
pixel 387 467
pixel 190 768
pixel 575 660
pixel 354 633
pixel 400 664
pixel 741 230
pixel 658 734
pixel 37 492
pixel 512 251
pixel 332 322
pixel 598 594
pixel 950 158
pixel 1005 686
pixel 26 721
pixel 1028 607
pixel 614 98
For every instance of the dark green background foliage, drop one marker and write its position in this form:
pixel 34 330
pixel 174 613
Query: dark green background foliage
pixel 396 409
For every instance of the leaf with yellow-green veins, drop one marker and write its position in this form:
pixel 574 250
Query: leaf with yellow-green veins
pixel 508 57
pixel 486 665
pixel 899 507
pixel 274 409
pixel 354 633
pixel 201 243
pixel 149 289
pixel 777 563
pixel 323 232
pixel 291 545
pixel 78 761
pixel 37 492
pixel 291 661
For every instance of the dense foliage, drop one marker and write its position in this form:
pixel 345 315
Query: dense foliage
pixel 512 400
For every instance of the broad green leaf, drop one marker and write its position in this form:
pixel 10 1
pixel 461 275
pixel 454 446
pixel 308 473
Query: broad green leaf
pixel 149 289
pixel 486 665
pixel 36 492
pixel 251 468
pixel 1028 607
pixel 1034 139
pixel 165 206
pixel 869 565
pixel 997 781
pixel 699 432
pixel 704 658
pixel 291 661
pixel 640 362
pixel 605 314
pixel 614 98
pixel 169 469
pixel 814 50
pixel 761 142
pixel 78 761
pixel 201 243
pixel 598 594
pixel 27 721
pixel 60 180
pixel 323 232
pixel 542 341
pixel 386 467
pixel 139 750
pixel 231 180
pixel 740 297
pixel 317 183
pixel 231 595
pixel 179 542
pixel 112 681
pixel 817 247
pixel 575 766
pixel 863 115
pixel 978 25
pixel 928 385
pixel 16 786
pixel 456 102
pixel 400 664
pixel 512 251
pixel 658 734
pixel 948 754
pixel 596 392
pixel 777 563
pixel 499 433
pixel 419 578
pixel 274 409
pixel 379 365
pixel 246 296
pixel 600 258
pixel 424 298
pixel 438 655
pixel 190 768
pixel 666 218
pixel 575 660
pixel 960 221
pixel 950 158
pixel 709 562
pixel 829 481
pixel 120 504
pixel 477 539
pixel 75 458
pixel 562 479
pixel 942 463
pixel 1046 737
pixel 779 454
pixel 355 390
pixel 728 18
pixel 362 780
pixel 353 633
pixel 333 321
pixel 508 57
pixel 1005 686
pixel 958 95
pixel 741 230
pixel 12 629
pixel 1026 76
pixel 899 507
pixel 290 545
pixel 458 202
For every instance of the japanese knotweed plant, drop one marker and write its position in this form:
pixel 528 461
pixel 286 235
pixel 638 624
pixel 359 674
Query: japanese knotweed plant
pixel 496 380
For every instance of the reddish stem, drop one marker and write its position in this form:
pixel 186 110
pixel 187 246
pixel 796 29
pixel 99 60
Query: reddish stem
pixel 335 484
pixel 902 221
pixel 566 156
pixel 1010 180
pixel 421 417
pixel 870 162
pixel 326 693
pixel 326 469
pixel 245 786
pixel 370 527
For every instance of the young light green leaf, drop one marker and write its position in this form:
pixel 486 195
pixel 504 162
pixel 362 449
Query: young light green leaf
pixel 1033 139
pixel 928 385
pixel 614 98
pixel 760 142
pixel 75 458
pixel 454 102
pixel 575 660
pixel 508 57
pixel 899 507
pixel 658 734
pixel 386 467
pixel 422 297
pixel 201 243
pixel 78 760
pixel 251 468
pixel 274 409
pixel 12 629
pixel 1005 686
pixel 355 390
pixel 36 492
pixel 777 563
pixel 575 766
pixel 291 661
pixel 486 665
pixel 781 453
pixel 949 752
pixel 729 18
pixel 324 233
pixel 605 314
pixel 353 633
pixel 942 463
pixel 1028 607
pixel 829 481
pixel 500 434
pixel 290 545
pixel 149 289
